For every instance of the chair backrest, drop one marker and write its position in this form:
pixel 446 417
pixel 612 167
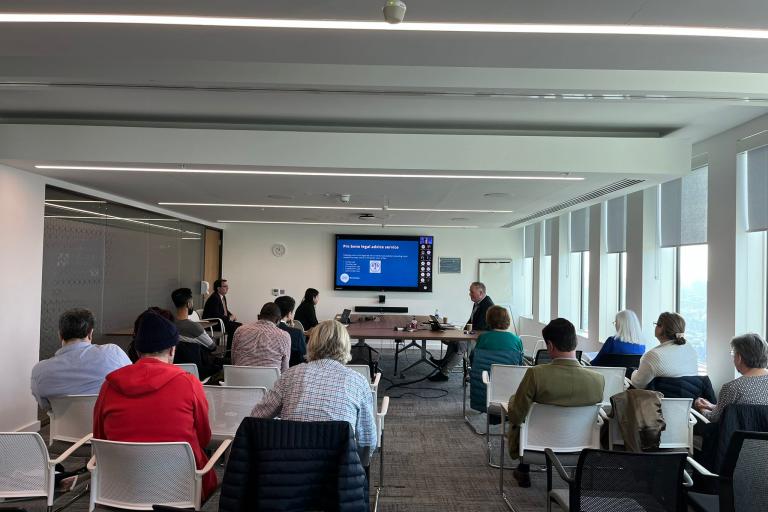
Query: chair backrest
pixel 228 405
pixel 744 470
pixel 614 381
pixel 194 316
pixel 531 344
pixel 189 368
pixel 628 361
pixel 505 379
pixel 542 356
pixel 262 376
pixel 624 481
pixel 139 475
pixel 362 369
pixel 71 417
pixel 562 429
pixel 23 465
pixel 677 414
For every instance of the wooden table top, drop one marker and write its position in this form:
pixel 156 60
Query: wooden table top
pixel 384 328
pixel 129 332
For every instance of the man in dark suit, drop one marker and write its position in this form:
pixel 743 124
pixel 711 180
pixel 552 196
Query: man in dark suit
pixel 216 307
pixel 456 350
pixel 298 340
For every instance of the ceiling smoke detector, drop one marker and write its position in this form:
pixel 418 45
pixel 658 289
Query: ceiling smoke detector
pixel 394 11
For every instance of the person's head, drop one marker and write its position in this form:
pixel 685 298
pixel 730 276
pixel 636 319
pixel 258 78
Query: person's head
pixel 311 296
pixel 156 335
pixel 221 286
pixel 286 305
pixel 749 351
pixel 497 317
pixel 477 291
pixel 330 340
pixel 270 312
pixel 628 327
pixel 670 326
pixel 560 337
pixel 76 324
pixel 182 298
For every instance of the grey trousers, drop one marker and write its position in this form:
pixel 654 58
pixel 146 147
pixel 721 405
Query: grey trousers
pixel 453 356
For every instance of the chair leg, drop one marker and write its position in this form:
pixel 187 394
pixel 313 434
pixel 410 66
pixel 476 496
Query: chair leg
pixel 381 462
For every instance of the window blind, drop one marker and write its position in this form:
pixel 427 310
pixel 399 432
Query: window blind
pixel 548 227
pixel 529 240
pixel 580 230
pixel 757 189
pixel 616 225
pixel 683 210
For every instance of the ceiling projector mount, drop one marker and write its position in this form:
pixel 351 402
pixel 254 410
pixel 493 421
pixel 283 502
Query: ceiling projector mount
pixel 394 11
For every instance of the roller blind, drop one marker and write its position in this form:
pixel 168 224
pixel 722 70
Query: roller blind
pixel 616 225
pixel 757 189
pixel 580 230
pixel 683 210
pixel 548 226
pixel 529 241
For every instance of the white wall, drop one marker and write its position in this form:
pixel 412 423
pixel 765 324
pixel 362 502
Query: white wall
pixel 21 258
pixel 253 271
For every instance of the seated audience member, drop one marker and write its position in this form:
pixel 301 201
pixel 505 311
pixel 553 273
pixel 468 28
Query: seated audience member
pixel 498 337
pixel 305 313
pixel 324 389
pixel 673 357
pixel 216 307
pixel 628 339
pixel 562 382
pixel 298 340
pixel 78 367
pixel 153 400
pixel 192 333
pixel 750 357
pixel 262 343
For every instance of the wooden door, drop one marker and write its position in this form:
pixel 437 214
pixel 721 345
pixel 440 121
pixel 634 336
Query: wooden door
pixel 212 261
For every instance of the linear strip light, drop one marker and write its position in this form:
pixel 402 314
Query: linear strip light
pixel 307 173
pixel 507 28
pixel 310 207
pixel 124 219
pixel 340 224
pixel 74 201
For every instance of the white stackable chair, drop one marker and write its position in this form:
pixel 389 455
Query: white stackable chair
pixel 261 376
pixel 189 368
pixel 221 335
pixel 27 471
pixel 678 433
pixel 71 417
pixel 195 316
pixel 501 384
pixel 228 405
pixel 365 371
pixel 531 344
pixel 615 381
pixel 380 415
pixel 564 430
pixel 138 475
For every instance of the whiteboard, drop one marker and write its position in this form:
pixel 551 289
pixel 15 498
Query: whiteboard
pixel 496 275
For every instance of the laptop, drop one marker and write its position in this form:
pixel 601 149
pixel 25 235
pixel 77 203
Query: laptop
pixel 345 317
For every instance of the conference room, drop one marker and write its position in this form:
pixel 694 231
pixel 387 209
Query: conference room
pixel 578 160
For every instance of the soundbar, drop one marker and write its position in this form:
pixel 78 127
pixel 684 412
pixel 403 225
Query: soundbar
pixel 381 309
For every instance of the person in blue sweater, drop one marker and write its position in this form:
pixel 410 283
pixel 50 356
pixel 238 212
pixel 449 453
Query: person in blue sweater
pixel 628 339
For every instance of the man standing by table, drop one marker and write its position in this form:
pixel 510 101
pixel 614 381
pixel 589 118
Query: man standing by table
pixel 456 350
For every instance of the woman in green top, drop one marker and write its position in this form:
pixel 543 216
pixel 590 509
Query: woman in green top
pixel 498 338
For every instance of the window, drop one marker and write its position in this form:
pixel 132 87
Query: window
pixel 622 282
pixel 692 295
pixel 528 287
pixel 584 296
pixel 545 290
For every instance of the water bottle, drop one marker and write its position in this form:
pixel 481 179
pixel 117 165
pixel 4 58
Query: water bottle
pixel 437 314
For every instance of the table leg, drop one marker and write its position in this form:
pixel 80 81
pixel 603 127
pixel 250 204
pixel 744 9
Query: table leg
pixel 423 359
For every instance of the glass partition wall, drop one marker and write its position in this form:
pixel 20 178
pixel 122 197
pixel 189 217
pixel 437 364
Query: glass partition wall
pixel 113 259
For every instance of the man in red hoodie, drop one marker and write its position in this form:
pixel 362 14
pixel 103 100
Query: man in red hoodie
pixel 154 401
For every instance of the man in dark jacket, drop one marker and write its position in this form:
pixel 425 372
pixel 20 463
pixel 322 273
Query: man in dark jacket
pixel 456 350
pixel 216 307
pixel 298 340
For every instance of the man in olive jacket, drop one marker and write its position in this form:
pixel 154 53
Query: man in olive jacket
pixel 562 382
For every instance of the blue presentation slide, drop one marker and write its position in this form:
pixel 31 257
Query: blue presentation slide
pixel 377 263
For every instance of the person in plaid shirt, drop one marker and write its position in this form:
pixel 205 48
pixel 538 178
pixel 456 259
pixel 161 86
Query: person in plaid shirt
pixel 324 389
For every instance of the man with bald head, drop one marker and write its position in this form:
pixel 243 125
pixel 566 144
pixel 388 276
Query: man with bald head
pixel 262 343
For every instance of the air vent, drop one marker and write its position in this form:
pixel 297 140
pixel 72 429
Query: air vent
pixel 600 192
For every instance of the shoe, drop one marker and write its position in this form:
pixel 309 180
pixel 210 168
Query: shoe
pixel 438 377
pixel 523 479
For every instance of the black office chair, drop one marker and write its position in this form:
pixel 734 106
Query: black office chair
pixel 542 357
pixel 629 361
pixel 619 482
pixel 742 480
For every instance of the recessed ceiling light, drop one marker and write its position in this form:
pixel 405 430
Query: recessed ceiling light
pixel 312 207
pixel 340 224
pixel 124 219
pixel 447 210
pixel 309 173
pixel 509 28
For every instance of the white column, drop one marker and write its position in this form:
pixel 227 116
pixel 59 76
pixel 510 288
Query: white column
pixel 555 270
pixel 596 249
pixel 635 258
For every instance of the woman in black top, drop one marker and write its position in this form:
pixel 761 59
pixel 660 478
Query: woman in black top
pixel 305 313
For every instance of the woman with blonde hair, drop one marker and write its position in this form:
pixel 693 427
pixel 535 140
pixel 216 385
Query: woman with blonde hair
pixel 673 357
pixel 628 339
pixel 324 389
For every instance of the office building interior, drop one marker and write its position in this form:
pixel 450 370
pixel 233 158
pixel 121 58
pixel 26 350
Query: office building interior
pixel 580 158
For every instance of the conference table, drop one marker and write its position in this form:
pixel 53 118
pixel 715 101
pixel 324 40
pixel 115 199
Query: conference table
pixel 393 327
